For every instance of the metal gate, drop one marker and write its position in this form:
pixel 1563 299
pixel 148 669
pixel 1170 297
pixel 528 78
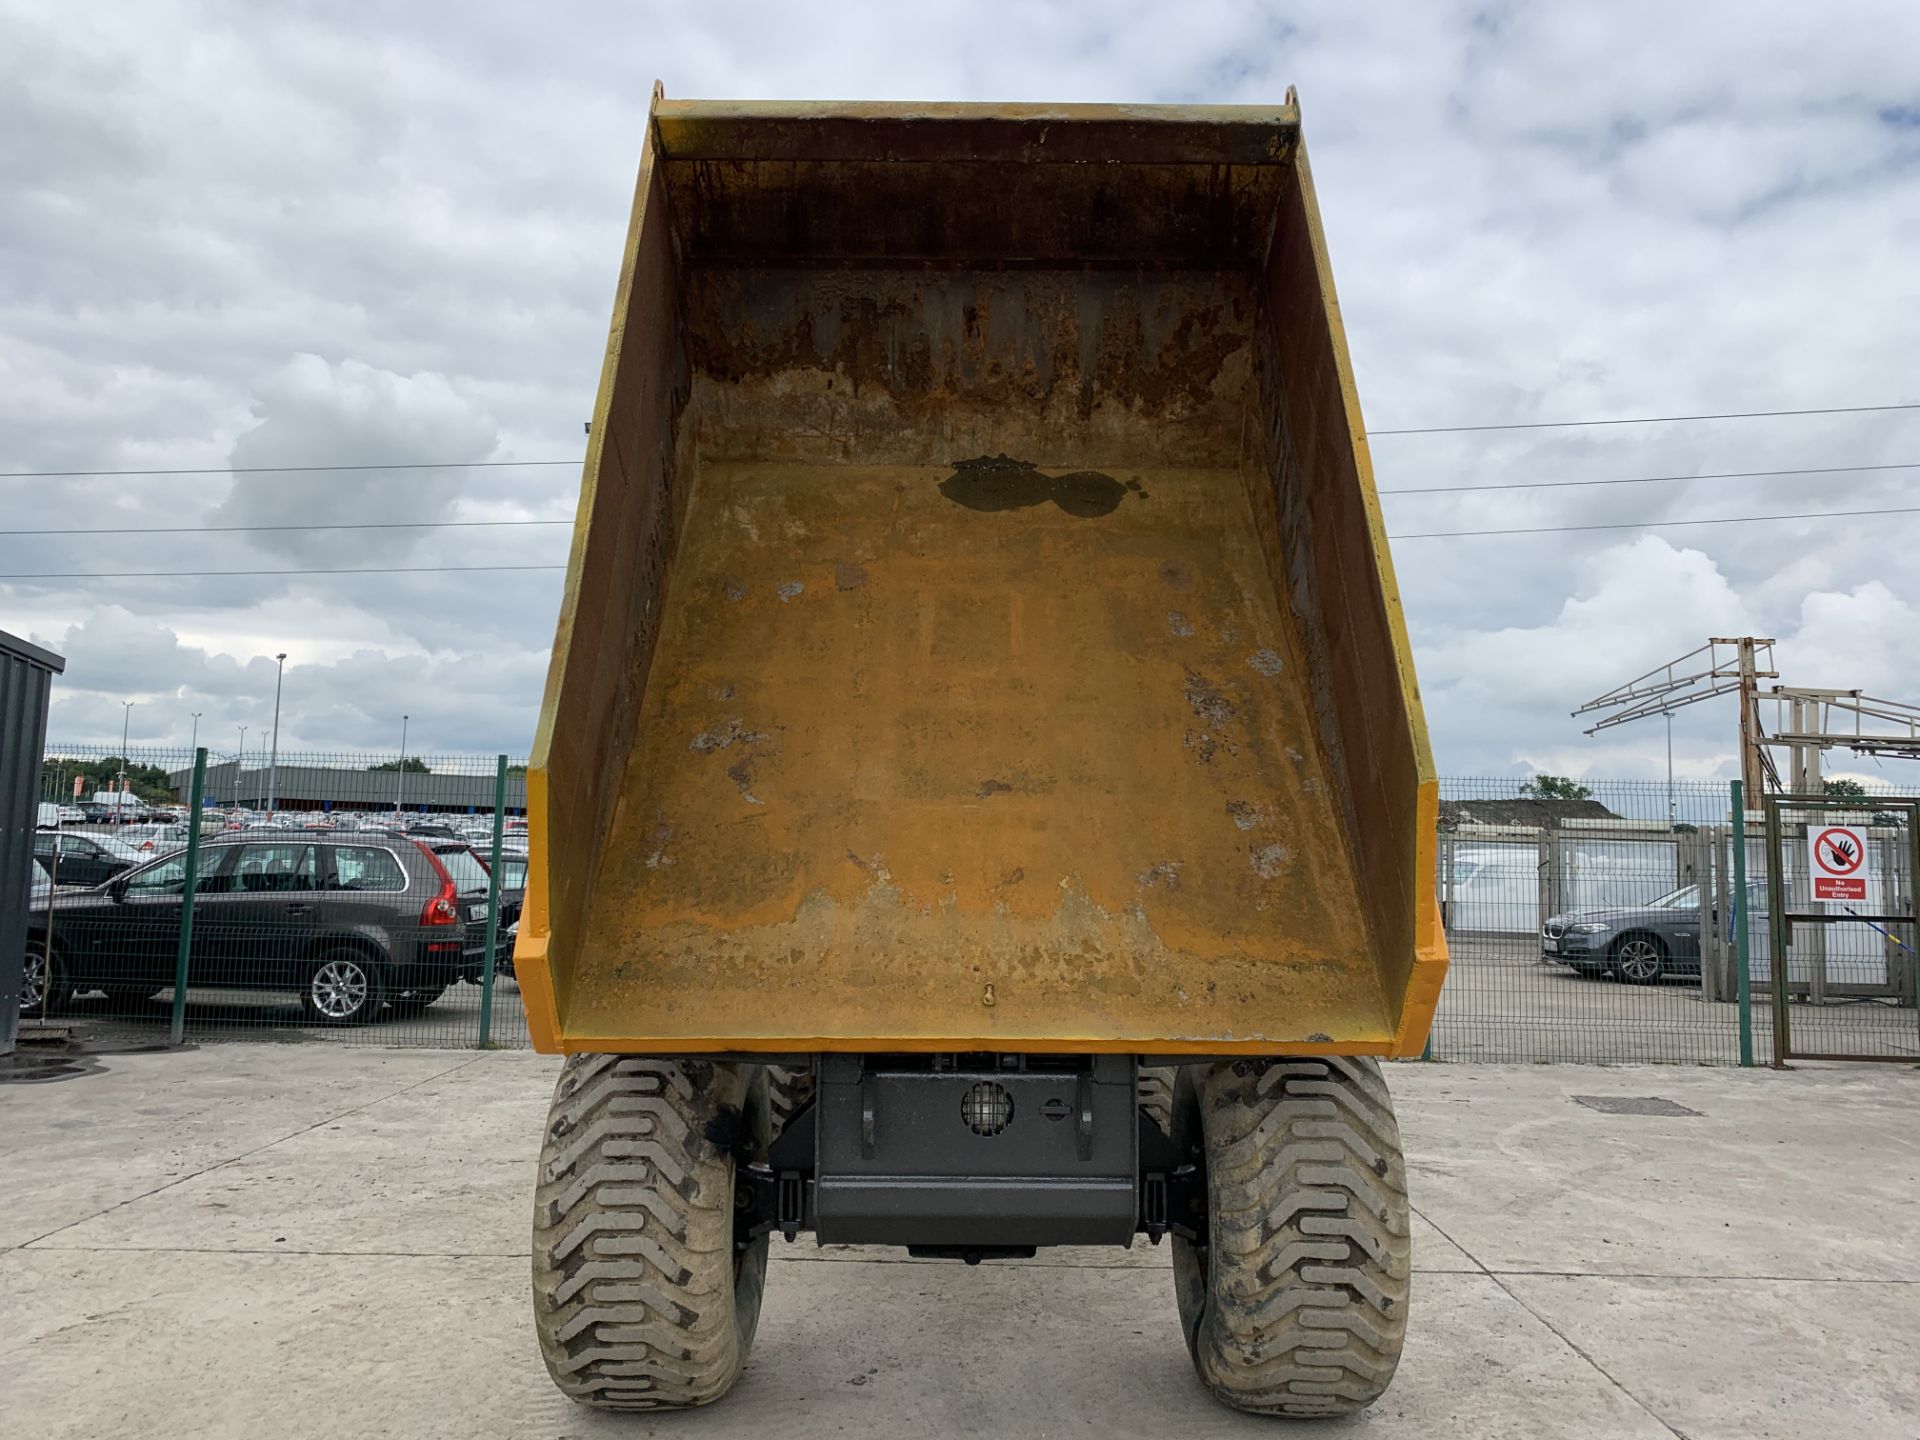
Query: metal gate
pixel 1842 969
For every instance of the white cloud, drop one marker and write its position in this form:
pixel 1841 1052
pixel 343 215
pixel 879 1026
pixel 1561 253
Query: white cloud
pixel 354 414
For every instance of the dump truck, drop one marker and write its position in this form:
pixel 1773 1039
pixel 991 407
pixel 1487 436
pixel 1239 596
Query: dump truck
pixel 981 799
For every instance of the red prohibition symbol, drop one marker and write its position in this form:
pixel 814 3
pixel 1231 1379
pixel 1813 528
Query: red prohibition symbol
pixel 1837 852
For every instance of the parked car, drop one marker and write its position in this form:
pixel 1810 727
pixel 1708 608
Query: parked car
pixel 503 962
pixel 32 992
pixel 83 859
pixel 151 840
pixel 349 927
pixel 513 888
pixel 1637 944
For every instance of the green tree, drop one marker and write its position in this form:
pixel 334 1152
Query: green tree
pixel 147 782
pixel 413 765
pixel 1554 787
pixel 1849 788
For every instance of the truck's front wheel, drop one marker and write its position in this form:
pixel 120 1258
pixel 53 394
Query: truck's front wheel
pixel 1297 1302
pixel 640 1297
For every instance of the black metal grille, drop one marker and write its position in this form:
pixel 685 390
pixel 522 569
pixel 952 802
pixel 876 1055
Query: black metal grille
pixel 987 1108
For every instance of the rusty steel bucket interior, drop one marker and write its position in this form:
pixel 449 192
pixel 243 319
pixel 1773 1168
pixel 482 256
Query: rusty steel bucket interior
pixel 979 632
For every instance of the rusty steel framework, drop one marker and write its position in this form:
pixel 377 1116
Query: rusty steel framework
pixel 1807 721
pixel 1844 719
pixel 1722 666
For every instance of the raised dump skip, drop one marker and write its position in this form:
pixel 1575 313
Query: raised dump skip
pixel 979 632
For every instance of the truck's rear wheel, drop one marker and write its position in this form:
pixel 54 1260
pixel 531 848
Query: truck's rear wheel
pixel 1297 1303
pixel 1156 1094
pixel 640 1298
pixel 789 1088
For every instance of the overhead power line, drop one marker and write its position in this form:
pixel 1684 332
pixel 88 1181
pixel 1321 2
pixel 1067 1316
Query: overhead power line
pixel 512 464
pixel 358 525
pixel 1646 420
pixel 218 574
pixel 1400 490
pixel 1647 479
pixel 484 569
pixel 282 469
pixel 1655 524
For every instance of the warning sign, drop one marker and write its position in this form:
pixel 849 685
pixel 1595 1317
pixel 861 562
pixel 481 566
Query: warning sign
pixel 1838 862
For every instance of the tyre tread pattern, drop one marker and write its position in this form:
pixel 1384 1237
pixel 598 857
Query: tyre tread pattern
pixel 1310 1260
pixel 638 1298
pixel 1155 1089
pixel 789 1088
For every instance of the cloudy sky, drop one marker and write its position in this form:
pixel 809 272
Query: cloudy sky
pixel 249 235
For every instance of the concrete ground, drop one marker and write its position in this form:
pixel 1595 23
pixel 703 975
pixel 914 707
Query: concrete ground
pixel 312 1240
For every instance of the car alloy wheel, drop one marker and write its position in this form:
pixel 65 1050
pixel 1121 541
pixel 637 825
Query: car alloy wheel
pixel 33 981
pixel 1639 960
pixel 340 989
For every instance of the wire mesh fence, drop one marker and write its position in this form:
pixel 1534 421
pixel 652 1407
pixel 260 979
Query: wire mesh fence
pixel 360 899
pixel 1604 926
pixel 1844 925
pixel 370 899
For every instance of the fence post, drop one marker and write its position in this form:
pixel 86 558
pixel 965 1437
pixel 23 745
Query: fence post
pixel 1742 943
pixel 1547 900
pixel 189 884
pixel 493 902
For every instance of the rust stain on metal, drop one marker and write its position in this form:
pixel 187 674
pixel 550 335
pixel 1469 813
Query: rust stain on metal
pixel 847 576
pixel 1209 701
pixel 1270 861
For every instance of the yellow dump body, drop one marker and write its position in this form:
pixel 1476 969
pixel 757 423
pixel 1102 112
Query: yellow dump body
pixel 979 632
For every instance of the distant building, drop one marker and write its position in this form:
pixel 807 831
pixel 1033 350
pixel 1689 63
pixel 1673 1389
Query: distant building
pixel 1528 814
pixel 327 787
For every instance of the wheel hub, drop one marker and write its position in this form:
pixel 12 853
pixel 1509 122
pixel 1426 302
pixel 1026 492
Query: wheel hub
pixel 339 989
pixel 33 981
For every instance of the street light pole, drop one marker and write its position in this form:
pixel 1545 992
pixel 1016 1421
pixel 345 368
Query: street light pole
pixel 1673 815
pixel 126 717
pixel 194 743
pixel 273 759
pixel 239 763
pixel 400 790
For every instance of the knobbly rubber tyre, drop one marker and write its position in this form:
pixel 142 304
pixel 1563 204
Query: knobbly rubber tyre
pixel 788 1091
pixel 1298 1303
pixel 639 1297
pixel 1156 1094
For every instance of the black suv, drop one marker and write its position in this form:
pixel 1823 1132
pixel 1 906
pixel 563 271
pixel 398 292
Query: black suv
pixel 350 924
pixel 84 859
